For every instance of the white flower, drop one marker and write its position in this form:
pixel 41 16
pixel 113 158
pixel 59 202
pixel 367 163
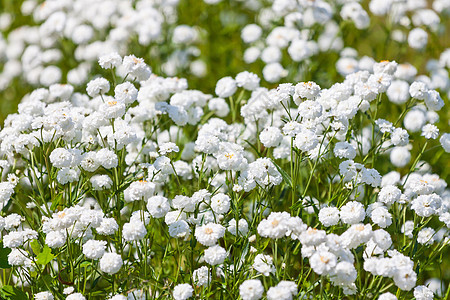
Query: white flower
pixel 312 236
pixel 158 206
pixel 201 276
pixel 183 202
pixel 430 131
pixel 108 226
pixel 445 142
pixel 139 190
pixel 344 273
pixel 323 262
pixel 399 137
pixel 136 67
pixel 271 137
pixel 6 191
pixel 275 226
pixel 426 236
pixel 300 50
pixel 405 279
pixel 110 60
pixel 76 296
pixel 251 33
pixel 382 239
pixel 126 92
pixel 290 286
pixel 220 203
pixel 434 101
pixel 101 182
pixel 398 91
pixel 371 176
pixel 208 234
pixel 251 290
pixel 68 290
pixel 418 90
pixel 407 228
pixel 262 172
pixel 133 231
pixel 385 126
pixel 422 292
pixel 93 249
pixel 182 291
pixel 219 106
pixel 106 158
pixel 168 148
pixel 184 34
pixel 417 38
pixel 274 71
pixel 112 108
pixel 179 229
pixel 306 90
pixel 215 255
pixel 355 12
pixel 111 263
pixel 264 264
pixel 13 240
pixel 225 87
pixel 61 158
pixel 329 216
pixel 251 54
pixel 306 140
pixel 310 109
pixel 426 205
pixel 353 212
pixel 230 157
pixel 344 150
pixel 163 164
pixel 247 80
pixel 278 293
pixel 414 120
pixel 356 235
pixel 381 217
pixel 173 216
pixel 43 296
pixel 97 86
pixel 89 161
pixel 12 221
pixel 67 175
pixel 17 257
pixel 389 194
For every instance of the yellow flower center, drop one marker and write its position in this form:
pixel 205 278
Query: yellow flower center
pixel 324 259
pixel 229 155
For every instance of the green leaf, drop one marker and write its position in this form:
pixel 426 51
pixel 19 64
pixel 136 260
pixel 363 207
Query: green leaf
pixel 4 257
pixel 45 256
pixel 12 293
pixel 35 247
pixel 85 264
pixel 57 201
pixel 47 280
